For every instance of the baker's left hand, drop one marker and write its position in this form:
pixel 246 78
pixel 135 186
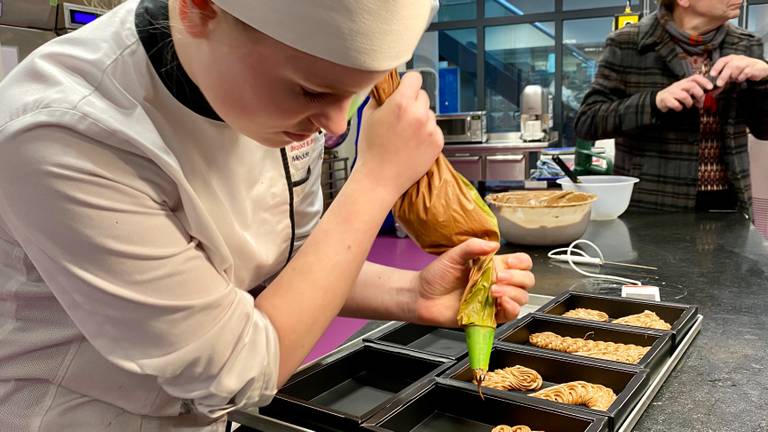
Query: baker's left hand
pixel 442 283
pixel 738 68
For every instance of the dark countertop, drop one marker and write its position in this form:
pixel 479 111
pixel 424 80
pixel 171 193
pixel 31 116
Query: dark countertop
pixel 717 261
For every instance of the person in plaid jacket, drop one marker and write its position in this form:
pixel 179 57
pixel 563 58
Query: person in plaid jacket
pixel 680 92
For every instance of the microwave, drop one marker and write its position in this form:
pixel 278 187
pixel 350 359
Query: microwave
pixel 463 127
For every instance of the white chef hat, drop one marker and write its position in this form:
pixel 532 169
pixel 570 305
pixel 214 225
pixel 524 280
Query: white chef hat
pixel 373 35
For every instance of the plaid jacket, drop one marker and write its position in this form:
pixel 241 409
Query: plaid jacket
pixel 662 149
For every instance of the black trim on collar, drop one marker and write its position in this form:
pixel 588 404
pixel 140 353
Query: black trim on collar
pixel 154 32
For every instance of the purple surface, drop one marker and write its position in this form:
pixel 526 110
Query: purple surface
pixel 401 253
pixel 386 250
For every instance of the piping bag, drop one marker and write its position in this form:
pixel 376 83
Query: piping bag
pixel 439 212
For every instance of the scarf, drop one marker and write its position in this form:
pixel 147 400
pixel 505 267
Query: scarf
pixel 694 45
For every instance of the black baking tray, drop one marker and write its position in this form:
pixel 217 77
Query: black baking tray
pixel 445 342
pixel 680 316
pixel 660 342
pixel 628 382
pixel 441 407
pixel 341 392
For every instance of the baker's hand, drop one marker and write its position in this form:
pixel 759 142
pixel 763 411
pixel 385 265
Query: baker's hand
pixel 442 283
pixel 739 68
pixel 400 140
pixel 513 280
pixel 683 94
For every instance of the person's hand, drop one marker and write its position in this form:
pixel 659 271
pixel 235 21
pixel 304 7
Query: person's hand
pixel 513 280
pixel 400 140
pixel 738 68
pixel 683 94
pixel 442 283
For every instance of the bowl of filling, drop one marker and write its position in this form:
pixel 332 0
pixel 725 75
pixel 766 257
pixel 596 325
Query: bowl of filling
pixel 541 218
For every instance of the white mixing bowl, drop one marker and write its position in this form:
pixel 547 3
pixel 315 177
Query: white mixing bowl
pixel 613 193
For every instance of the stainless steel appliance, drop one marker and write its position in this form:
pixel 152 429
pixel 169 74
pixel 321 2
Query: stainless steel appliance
pixel 24 26
pixel 464 127
pixel 27 24
pixel 76 16
pixel 535 113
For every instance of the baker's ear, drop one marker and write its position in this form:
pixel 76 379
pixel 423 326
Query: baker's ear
pixel 197 16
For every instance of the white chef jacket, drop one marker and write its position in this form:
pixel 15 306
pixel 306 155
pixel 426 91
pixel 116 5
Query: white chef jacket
pixel 130 230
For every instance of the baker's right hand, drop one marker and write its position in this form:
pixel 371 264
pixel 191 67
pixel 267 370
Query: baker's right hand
pixel 400 140
pixel 684 94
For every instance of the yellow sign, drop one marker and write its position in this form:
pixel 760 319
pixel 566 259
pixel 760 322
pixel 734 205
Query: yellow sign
pixel 628 17
pixel 622 20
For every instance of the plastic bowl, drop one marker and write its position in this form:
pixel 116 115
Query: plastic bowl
pixel 613 193
pixel 525 218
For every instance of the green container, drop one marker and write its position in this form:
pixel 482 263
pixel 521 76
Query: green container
pixel 583 160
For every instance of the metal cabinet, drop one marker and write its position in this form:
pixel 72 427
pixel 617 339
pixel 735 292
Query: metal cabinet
pixel 471 167
pixel 334 175
pixel 506 167
pixel 508 160
pixel 25 25
pixel 31 14
pixel 23 41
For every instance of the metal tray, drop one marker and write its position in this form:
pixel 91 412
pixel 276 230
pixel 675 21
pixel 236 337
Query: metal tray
pixel 628 382
pixel 346 389
pixel 445 342
pixel 439 407
pixel 660 343
pixel 257 419
pixel 680 316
